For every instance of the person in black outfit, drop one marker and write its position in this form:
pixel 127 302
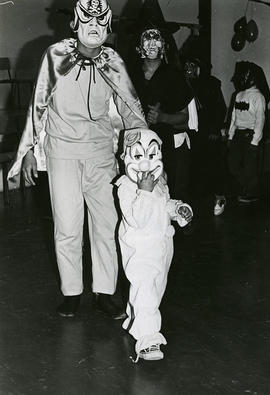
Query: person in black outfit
pixel 165 97
pixel 208 154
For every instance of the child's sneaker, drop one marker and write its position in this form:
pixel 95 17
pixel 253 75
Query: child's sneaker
pixel 151 353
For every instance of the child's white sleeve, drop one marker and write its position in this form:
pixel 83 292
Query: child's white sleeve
pixel 232 126
pixel 259 105
pixel 180 220
pixel 136 206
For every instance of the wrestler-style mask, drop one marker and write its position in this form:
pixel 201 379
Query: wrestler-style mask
pixel 192 69
pixel 142 153
pixel 92 22
pixel 152 44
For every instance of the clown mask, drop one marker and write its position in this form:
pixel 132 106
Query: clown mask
pixel 92 22
pixel 152 44
pixel 142 153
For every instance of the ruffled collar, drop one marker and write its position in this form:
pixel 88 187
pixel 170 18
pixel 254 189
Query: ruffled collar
pixel 68 56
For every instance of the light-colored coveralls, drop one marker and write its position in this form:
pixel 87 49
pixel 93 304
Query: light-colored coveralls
pixel 71 104
pixel 146 240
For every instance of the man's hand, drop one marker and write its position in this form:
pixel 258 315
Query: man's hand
pixel 253 147
pixel 154 115
pixel 229 142
pixel 185 213
pixel 213 137
pixel 29 168
pixel 147 182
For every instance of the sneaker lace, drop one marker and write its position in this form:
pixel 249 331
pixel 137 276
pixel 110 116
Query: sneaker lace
pixel 154 347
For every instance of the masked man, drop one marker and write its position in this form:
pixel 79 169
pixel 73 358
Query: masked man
pixel 146 237
pixel 78 83
pixel 168 104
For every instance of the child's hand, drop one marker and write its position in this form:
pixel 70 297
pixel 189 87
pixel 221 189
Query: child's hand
pixel 185 213
pixel 147 182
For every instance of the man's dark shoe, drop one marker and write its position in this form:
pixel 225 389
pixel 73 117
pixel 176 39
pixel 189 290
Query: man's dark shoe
pixel 104 304
pixel 69 307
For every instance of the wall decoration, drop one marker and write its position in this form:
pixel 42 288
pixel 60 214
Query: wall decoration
pixel 252 31
pixel 245 30
pixel 238 41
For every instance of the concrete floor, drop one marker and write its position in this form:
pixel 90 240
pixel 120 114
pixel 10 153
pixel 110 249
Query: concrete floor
pixel 216 313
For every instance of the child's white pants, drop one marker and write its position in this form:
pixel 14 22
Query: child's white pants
pixel 148 279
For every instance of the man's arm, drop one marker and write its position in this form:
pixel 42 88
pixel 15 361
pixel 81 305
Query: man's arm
pixel 130 117
pixel 179 119
pixel 232 126
pixel 259 120
pixel 35 120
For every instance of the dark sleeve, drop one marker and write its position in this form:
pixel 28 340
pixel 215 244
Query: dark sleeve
pixel 179 93
pixel 219 108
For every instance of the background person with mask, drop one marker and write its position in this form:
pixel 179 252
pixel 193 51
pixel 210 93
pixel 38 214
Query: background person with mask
pixel 208 162
pixel 246 129
pixel 165 97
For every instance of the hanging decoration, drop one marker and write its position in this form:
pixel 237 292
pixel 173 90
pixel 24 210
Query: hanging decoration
pixel 240 25
pixel 252 31
pixel 245 31
pixel 238 41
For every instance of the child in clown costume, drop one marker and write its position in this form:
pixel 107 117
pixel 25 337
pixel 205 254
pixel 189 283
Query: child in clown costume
pixel 146 237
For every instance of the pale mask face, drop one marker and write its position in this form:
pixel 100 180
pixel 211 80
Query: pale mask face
pixel 152 44
pixel 92 22
pixel 142 153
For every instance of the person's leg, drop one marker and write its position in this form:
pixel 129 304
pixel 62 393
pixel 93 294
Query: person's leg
pixel 215 154
pixel 68 212
pixel 251 171
pixel 181 188
pixel 102 220
pixel 168 158
pixel 235 158
pixel 148 281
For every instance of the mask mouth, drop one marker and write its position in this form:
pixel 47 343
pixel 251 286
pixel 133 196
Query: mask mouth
pixel 152 50
pixel 156 172
pixel 93 33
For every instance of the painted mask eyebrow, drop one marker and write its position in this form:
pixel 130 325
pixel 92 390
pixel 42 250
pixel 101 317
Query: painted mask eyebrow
pixel 154 141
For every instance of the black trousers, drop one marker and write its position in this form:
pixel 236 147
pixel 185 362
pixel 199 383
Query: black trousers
pixel 177 167
pixel 208 166
pixel 243 162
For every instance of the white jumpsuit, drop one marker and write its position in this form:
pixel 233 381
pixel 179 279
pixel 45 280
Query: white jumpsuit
pixel 146 240
pixel 81 166
pixel 71 106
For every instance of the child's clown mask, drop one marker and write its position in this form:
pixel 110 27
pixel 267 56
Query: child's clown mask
pixel 92 22
pixel 142 153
